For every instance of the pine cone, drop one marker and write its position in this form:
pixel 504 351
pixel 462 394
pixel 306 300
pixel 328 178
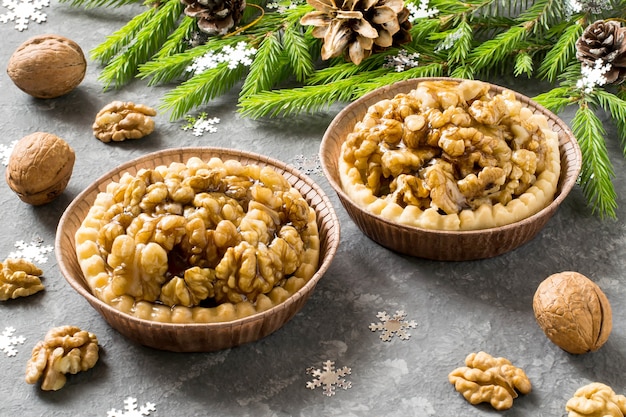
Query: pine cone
pixel 215 17
pixel 356 28
pixel 604 40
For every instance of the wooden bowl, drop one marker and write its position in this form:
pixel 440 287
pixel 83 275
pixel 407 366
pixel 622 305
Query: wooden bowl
pixel 442 244
pixel 196 337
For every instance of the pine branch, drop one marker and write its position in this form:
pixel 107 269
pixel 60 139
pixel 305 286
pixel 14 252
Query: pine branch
pixel 117 41
pixel 597 170
pixel 147 42
pixel 178 41
pixel 298 52
pixel 89 4
pixel 556 99
pixel 562 53
pixel 307 99
pixel 200 89
pixel 267 68
pixel 494 52
pixel 372 83
pixel 616 107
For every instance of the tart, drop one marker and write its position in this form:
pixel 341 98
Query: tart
pixel 451 155
pixel 198 242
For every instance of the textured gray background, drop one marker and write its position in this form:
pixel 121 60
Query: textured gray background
pixel 459 307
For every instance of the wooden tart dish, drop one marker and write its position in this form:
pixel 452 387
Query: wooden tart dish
pixel 444 244
pixel 197 337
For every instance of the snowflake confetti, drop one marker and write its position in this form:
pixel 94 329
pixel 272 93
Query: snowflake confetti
pixel 593 76
pixel 402 61
pixel 390 326
pixel 131 410
pixel 8 341
pixel 422 11
pixel 5 152
pixel 201 124
pixel 240 54
pixel 282 6
pixel 449 41
pixel 308 165
pixel 329 378
pixel 591 6
pixel 22 12
pixel 32 252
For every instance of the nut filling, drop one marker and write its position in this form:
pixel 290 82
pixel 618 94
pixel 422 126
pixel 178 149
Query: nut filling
pixel 451 155
pixel 198 241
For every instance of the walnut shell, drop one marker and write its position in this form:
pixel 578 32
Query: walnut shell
pixel 40 167
pixel 573 312
pixel 47 66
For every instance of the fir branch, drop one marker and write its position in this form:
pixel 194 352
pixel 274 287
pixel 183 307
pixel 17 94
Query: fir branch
pixel 169 68
pixel 543 14
pixel 616 107
pixel 267 67
pixel 563 51
pixel 493 52
pixel 597 170
pixel 372 83
pixel 117 41
pixel 178 41
pixel 463 71
pixel 89 4
pixel 307 99
pixel 556 99
pixel 146 43
pixel 200 89
pixel 298 52
pixel 523 65
pixel 462 44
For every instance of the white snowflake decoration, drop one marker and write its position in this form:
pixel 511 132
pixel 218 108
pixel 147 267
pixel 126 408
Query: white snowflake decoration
pixel 5 152
pixel 402 61
pixel 32 252
pixel 22 12
pixel 240 54
pixel 422 11
pixel 8 341
pixel 329 378
pixel 449 41
pixel 593 76
pixel 131 410
pixel 390 326
pixel 592 6
pixel 308 165
pixel 201 124
pixel 282 6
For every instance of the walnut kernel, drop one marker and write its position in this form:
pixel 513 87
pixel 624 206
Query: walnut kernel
pixel 118 121
pixel 19 278
pixel 573 312
pixel 47 66
pixel 40 167
pixel 64 350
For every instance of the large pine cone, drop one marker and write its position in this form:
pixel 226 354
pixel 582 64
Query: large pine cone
pixel 356 28
pixel 604 40
pixel 215 17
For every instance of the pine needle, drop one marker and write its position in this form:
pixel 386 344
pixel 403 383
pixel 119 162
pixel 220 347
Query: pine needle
pixel 597 170
pixel 200 89
pixel 563 51
pixel 616 107
pixel 89 4
pixel 267 69
pixel 298 52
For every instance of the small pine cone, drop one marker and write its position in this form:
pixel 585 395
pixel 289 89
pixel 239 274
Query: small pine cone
pixel 357 28
pixel 606 41
pixel 215 17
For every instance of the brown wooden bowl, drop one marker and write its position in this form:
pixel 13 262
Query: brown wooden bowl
pixel 442 244
pixel 196 337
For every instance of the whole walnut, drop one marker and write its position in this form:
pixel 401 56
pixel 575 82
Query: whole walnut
pixel 40 167
pixel 47 66
pixel 573 312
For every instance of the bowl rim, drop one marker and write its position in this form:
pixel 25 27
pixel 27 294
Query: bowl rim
pixel 563 190
pixel 326 257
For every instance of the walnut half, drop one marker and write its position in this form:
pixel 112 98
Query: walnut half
pixel 596 399
pixel 65 349
pixel 489 379
pixel 119 120
pixel 19 278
